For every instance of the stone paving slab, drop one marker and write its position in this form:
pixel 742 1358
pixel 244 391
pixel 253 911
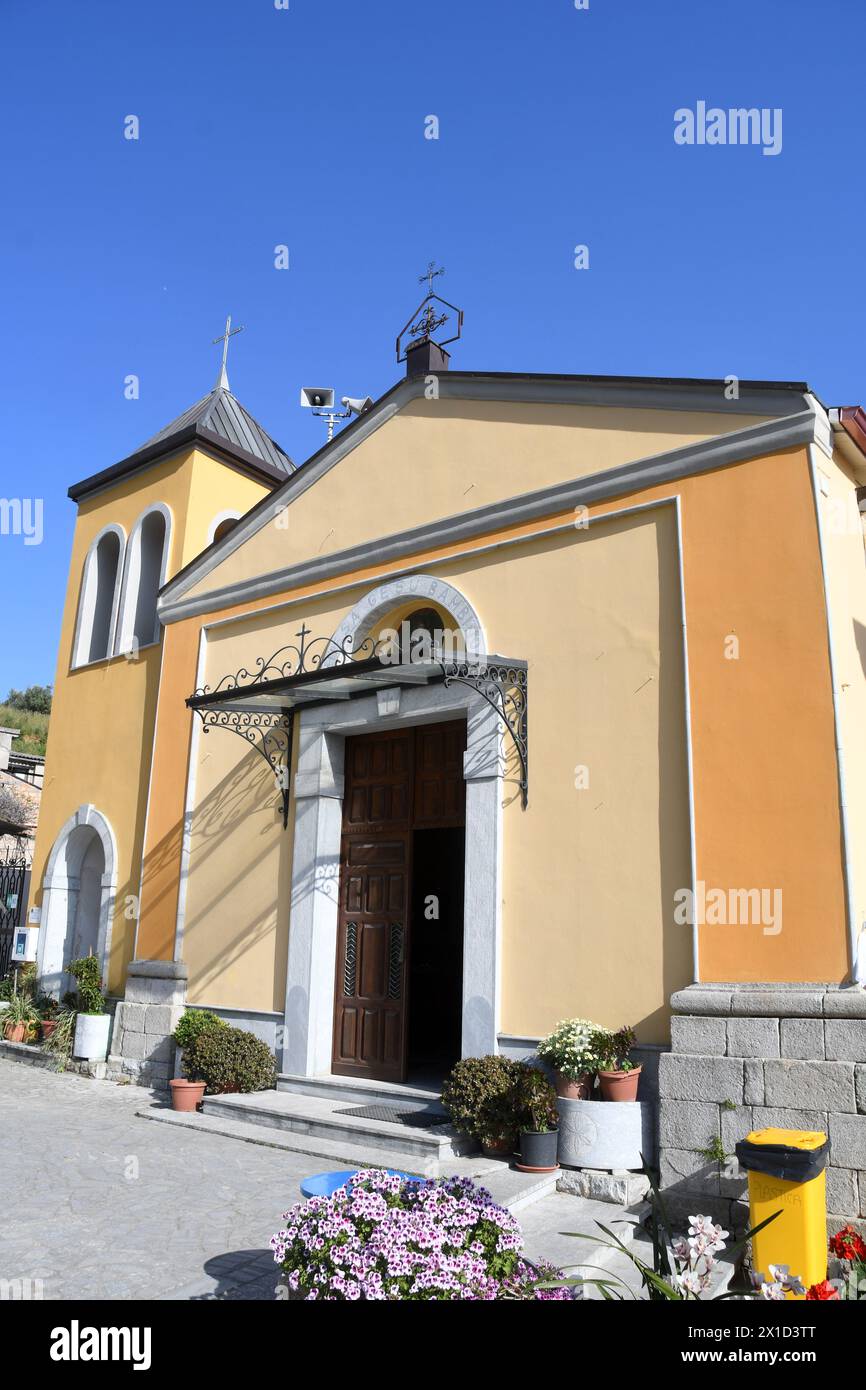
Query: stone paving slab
pixel 101 1205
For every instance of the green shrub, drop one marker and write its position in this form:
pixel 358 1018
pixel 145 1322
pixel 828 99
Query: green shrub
pixel 534 1100
pixel 229 1059
pixel 20 980
pixel 477 1096
pixel 34 728
pixel 194 1022
pixel 90 997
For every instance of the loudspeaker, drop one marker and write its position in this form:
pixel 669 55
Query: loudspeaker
pixel 318 397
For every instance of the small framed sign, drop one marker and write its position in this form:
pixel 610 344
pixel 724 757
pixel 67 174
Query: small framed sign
pixel 24 942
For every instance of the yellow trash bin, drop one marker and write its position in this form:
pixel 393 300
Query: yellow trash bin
pixel 786 1170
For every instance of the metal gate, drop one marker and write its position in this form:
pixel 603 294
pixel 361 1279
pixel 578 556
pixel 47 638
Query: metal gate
pixel 13 867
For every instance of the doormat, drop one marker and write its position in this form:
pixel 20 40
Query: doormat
pixel 415 1119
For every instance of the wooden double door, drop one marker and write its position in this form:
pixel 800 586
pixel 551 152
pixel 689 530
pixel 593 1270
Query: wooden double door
pixel 398 784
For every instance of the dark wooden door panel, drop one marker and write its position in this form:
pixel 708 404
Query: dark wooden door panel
pixel 439 791
pixel 395 781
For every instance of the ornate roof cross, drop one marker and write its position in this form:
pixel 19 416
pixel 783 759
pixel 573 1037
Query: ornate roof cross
pixel 430 275
pixel 223 382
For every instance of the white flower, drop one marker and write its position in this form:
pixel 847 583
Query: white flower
pixel 774 1292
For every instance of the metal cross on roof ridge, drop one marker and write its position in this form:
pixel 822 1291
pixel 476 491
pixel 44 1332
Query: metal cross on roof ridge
pixel 230 332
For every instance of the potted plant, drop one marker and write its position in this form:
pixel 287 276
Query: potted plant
pixel 534 1101
pixel 48 1009
pixel 229 1059
pixel 186 1094
pixel 617 1074
pixel 477 1095
pixel 570 1051
pixel 93 1024
pixel 58 1043
pixel 20 1018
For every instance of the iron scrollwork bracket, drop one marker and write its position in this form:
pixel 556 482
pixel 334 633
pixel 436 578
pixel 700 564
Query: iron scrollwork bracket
pixel 268 731
pixel 505 688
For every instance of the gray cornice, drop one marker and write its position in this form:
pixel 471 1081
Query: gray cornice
pixel 701 457
pixel 606 393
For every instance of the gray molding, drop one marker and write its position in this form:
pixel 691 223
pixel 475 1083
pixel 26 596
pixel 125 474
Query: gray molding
pixel 656 469
pixel 158 969
pixel 625 393
pixel 262 1023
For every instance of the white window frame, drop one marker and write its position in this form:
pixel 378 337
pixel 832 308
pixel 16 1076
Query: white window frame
pixel 87 599
pixel 218 520
pixel 132 579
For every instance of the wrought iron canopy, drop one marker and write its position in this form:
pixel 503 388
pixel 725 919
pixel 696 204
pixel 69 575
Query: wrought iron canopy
pixel 260 705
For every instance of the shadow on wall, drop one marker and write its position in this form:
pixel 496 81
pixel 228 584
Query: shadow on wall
pixel 247 790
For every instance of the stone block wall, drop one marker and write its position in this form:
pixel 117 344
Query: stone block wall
pixel 141 1044
pixel 747 1057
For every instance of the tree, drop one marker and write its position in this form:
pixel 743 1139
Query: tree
pixel 36 699
pixel 16 816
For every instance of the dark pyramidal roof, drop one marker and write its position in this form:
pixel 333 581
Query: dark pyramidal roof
pixel 221 413
pixel 217 419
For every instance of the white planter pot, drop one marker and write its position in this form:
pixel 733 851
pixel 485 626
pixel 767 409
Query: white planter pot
pixel 91 1037
pixel 604 1133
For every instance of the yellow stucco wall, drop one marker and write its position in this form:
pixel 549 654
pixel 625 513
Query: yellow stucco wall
pixel 443 458
pixel 101 729
pixel 589 875
pixel 575 859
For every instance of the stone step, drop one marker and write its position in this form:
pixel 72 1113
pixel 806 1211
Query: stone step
pixel 509 1187
pixel 334 1153
pixel 359 1090
pixel 561 1229
pixel 320 1118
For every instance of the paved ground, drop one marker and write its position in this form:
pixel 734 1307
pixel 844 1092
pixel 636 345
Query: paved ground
pixel 100 1204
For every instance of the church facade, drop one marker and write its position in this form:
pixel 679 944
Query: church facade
pixel 526 697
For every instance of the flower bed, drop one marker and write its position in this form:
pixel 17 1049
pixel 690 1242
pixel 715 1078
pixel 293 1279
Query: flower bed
pixel 383 1238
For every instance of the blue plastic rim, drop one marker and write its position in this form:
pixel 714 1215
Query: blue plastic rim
pixel 323 1184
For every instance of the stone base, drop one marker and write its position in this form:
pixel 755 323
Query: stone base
pixel 605 1134
pixel 155 999
pixel 749 1057
pixel 623 1188
pixel 32 1055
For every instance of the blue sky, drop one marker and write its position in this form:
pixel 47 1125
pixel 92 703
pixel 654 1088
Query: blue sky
pixel 305 127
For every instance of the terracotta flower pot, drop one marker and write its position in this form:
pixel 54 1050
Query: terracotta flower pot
pixel 619 1085
pixel 15 1032
pixel 186 1095
pixel 578 1089
pixel 498 1148
pixel 48 1027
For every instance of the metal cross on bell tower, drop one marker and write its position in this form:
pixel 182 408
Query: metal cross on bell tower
pixel 223 381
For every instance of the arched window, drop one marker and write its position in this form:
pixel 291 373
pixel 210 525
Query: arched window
pixel 147 558
pixel 421 634
pixel 97 608
pixel 221 525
